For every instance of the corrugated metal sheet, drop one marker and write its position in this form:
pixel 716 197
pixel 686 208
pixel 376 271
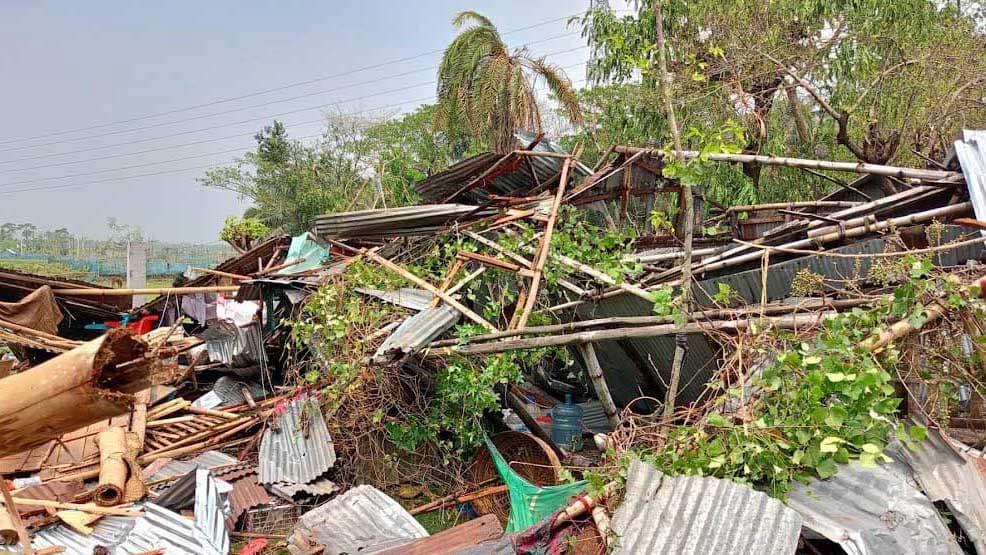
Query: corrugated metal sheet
pixel 629 365
pixel 872 511
pixel 246 494
pixel 416 332
pixel 780 275
pixel 212 507
pixel 363 520
pixel 474 533
pixel 161 528
pixel 288 454
pixel 393 222
pixel 408 297
pixel 177 469
pixel 52 491
pixel 228 392
pixel 108 531
pixel 179 495
pixel 233 345
pixel 692 514
pixel 971 151
pixel 321 486
pixel 952 476
pixel 513 183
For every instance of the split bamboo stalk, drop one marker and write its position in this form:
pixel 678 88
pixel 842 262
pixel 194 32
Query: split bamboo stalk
pixel 169 421
pixel 796 321
pixel 425 285
pixel 773 309
pixel 595 372
pixel 220 273
pixel 792 205
pixel 88 384
pixel 96 292
pixel 54 339
pixel 853 167
pixel 541 258
pixel 86 507
pixel 601 518
pixel 212 412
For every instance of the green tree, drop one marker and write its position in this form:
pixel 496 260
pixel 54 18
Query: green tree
pixel 487 92
pixel 864 80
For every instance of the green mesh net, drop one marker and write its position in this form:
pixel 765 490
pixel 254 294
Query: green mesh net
pixel 529 504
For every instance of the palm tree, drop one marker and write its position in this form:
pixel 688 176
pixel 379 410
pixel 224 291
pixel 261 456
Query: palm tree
pixel 487 92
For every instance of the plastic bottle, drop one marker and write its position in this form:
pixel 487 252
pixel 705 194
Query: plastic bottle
pixel 566 426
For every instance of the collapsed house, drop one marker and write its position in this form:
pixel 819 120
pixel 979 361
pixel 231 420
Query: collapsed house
pixel 207 431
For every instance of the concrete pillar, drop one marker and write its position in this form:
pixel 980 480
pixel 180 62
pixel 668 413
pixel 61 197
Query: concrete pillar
pixel 137 269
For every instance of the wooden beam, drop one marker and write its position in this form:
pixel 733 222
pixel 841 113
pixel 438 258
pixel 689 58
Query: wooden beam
pixel 147 291
pixel 595 372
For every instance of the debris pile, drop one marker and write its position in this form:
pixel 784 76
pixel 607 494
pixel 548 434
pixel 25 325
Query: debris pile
pixel 499 354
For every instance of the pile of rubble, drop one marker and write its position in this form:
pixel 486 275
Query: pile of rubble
pixel 204 425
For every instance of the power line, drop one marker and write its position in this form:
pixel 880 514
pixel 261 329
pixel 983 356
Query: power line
pixel 273 89
pixel 126 178
pixel 244 108
pixel 218 126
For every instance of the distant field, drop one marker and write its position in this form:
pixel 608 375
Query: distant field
pixel 56 269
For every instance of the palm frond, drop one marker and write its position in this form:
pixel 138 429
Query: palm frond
pixel 468 16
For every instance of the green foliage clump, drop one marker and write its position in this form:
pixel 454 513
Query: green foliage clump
pixel 817 404
pixel 242 232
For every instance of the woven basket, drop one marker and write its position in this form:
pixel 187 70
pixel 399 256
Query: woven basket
pixel 528 456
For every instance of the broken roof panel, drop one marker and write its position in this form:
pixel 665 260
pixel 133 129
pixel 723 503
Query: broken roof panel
pixel 692 514
pixel 212 509
pixel 872 511
pixel 292 452
pixel 393 222
pixel 416 332
pixel 321 486
pixel 407 297
pixel 177 469
pixel 971 151
pixel 957 477
pixel 362 520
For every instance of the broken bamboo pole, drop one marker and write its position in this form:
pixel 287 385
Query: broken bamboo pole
pixel 456 498
pixel 88 384
pixel 240 277
pixel 520 259
pixel 542 255
pixel 595 372
pixel 796 321
pixel 792 205
pixel 853 167
pixel 97 292
pixel 10 521
pixel 397 269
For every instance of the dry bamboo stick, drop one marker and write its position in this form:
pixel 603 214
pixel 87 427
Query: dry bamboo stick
pixel 457 498
pixel 86 507
pixel 212 412
pixel 854 167
pixel 10 506
pixel 541 257
pixel 169 421
pixel 95 292
pixel 523 261
pixel 279 267
pixel 447 282
pixel 792 205
pixel 220 273
pixel 425 285
pixel 599 383
pixel 602 277
pixel 39 334
pixel 784 322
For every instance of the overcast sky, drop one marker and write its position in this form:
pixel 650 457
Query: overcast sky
pixel 78 66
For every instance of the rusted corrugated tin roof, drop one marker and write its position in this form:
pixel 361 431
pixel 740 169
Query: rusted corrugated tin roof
pixel 517 182
pixel 362 520
pixel 692 514
pixel 955 476
pixel 872 511
pixel 393 222
pixel 246 494
pixel 416 332
pixel 321 486
pixel 474 533
pixel 292 453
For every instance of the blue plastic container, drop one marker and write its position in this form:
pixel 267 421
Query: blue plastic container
pixel 566 424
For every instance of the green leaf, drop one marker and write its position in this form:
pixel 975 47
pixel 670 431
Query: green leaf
pixel 836 416
pixel 826 468
pixel 830 444
pixel 918 432
pixel 716 419
pixel 835 377
pixel 871 448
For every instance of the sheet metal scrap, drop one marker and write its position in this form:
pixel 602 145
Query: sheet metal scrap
pixel 407 297
pixel 416 332
pixel 212 508
pixel 321 486
pixel 691 514
pixel 393 222
pixel 175 469
pixel 872 511
pixel 478 533
pixel 247 493
pixel 298 448
pixel 362 520
pixel 955 476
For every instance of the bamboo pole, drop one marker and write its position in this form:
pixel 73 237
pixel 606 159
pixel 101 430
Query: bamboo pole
pixel 425 285
pixel 88 384
pixel 792 205
pixel 86 507
pixel 10 505
pixel 54 339
pixel 455 499
pixel 523 261
pixel 542 255
pixel 599 383
pixel 220 274
pixel 795 321
pixel 774 309
pixel 853 167
pixel 602 277
pixel 279 267
pixel 95 292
